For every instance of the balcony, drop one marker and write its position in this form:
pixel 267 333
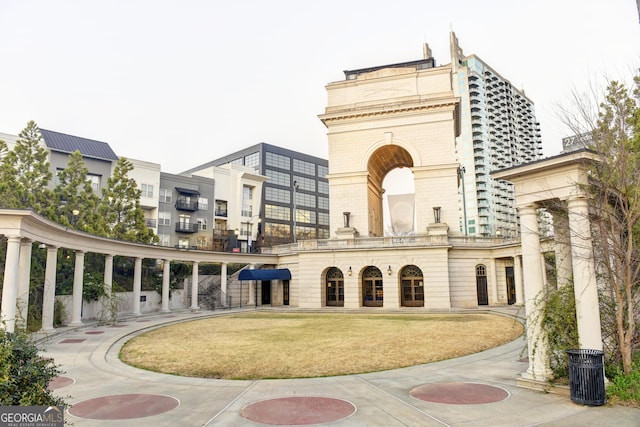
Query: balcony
pixel 184 204
pixel 151 223
pixel 221 212
pixel 185 227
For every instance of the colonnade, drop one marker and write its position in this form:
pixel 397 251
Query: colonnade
pixel 15 295
pixel 556 184
pixel 23 228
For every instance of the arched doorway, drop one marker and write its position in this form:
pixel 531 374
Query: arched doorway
pixel 372 293
pixel 481 285
pixel 334 283
pixel 382 161
pixel 412 284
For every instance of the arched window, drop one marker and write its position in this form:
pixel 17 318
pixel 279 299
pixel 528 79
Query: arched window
pixel 372 294
pixel 481 285
pixel 334 283
pixel 412 283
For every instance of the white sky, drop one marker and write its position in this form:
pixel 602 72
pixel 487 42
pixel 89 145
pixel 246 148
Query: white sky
pixel 183 82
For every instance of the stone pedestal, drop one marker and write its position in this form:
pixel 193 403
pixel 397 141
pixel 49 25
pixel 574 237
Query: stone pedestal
pixel 347 233
pixel 438 229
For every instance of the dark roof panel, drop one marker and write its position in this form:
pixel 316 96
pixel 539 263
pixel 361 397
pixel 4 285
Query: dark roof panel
pixel 57 141
pixel 265 274
pixel 187 191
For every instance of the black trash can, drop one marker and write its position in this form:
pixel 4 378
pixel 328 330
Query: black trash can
pixel 586 377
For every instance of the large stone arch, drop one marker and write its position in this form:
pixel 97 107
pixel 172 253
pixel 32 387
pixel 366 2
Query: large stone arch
pixel 379 121
pixel 379 163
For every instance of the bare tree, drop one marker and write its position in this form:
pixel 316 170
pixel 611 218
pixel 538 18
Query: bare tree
pixel 613 121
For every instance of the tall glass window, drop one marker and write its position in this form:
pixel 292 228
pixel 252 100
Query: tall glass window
pixel 323 187
pixel 252 160
pixel 282 213
pixel 323 203
pixel 307 216
pixel 278 161
pixel 277 195
pixel 247 201
pixel 278 178
pixel 306 168
pixel 307 200
pixel 305 183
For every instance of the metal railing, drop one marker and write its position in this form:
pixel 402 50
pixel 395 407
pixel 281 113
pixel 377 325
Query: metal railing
pixel 183 227
pixel 187 205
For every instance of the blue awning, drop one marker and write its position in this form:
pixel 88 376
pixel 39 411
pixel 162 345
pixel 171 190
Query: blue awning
pixel 265 274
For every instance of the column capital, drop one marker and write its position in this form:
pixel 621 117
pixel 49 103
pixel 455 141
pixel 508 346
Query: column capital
pixel 577 199
pixel 528 209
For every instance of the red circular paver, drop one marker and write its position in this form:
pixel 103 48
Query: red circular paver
pixel 59 382
pixel 123 406
pixel 459 393
pixel 288 411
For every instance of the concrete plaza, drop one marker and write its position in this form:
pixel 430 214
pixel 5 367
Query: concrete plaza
pixel 96 380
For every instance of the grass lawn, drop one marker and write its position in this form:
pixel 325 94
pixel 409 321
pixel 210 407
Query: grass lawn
pixel 293 345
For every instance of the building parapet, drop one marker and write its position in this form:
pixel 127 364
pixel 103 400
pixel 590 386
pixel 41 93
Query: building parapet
pixel 389 242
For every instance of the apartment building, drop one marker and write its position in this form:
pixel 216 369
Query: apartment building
pixel 498 129
pixel 147 176
pixel 294 200
pixel 236 205
pixel 185 212
pixel 98 157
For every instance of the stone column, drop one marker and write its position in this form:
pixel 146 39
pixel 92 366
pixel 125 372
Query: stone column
pixel 137 286
pixel 252 294
pixel 10 284
pixel 22 303
pixel 533 288
pixel 78 279
pixel 223 284
pixel 564 264
pixel 108 305
pixel 166 282
pixel 584 275
pixel 194 287
pixel 108 274
pixel 517 277
pixel 493 282
pixel 49 292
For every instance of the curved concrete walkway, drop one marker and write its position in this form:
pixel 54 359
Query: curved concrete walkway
pixel 123 395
